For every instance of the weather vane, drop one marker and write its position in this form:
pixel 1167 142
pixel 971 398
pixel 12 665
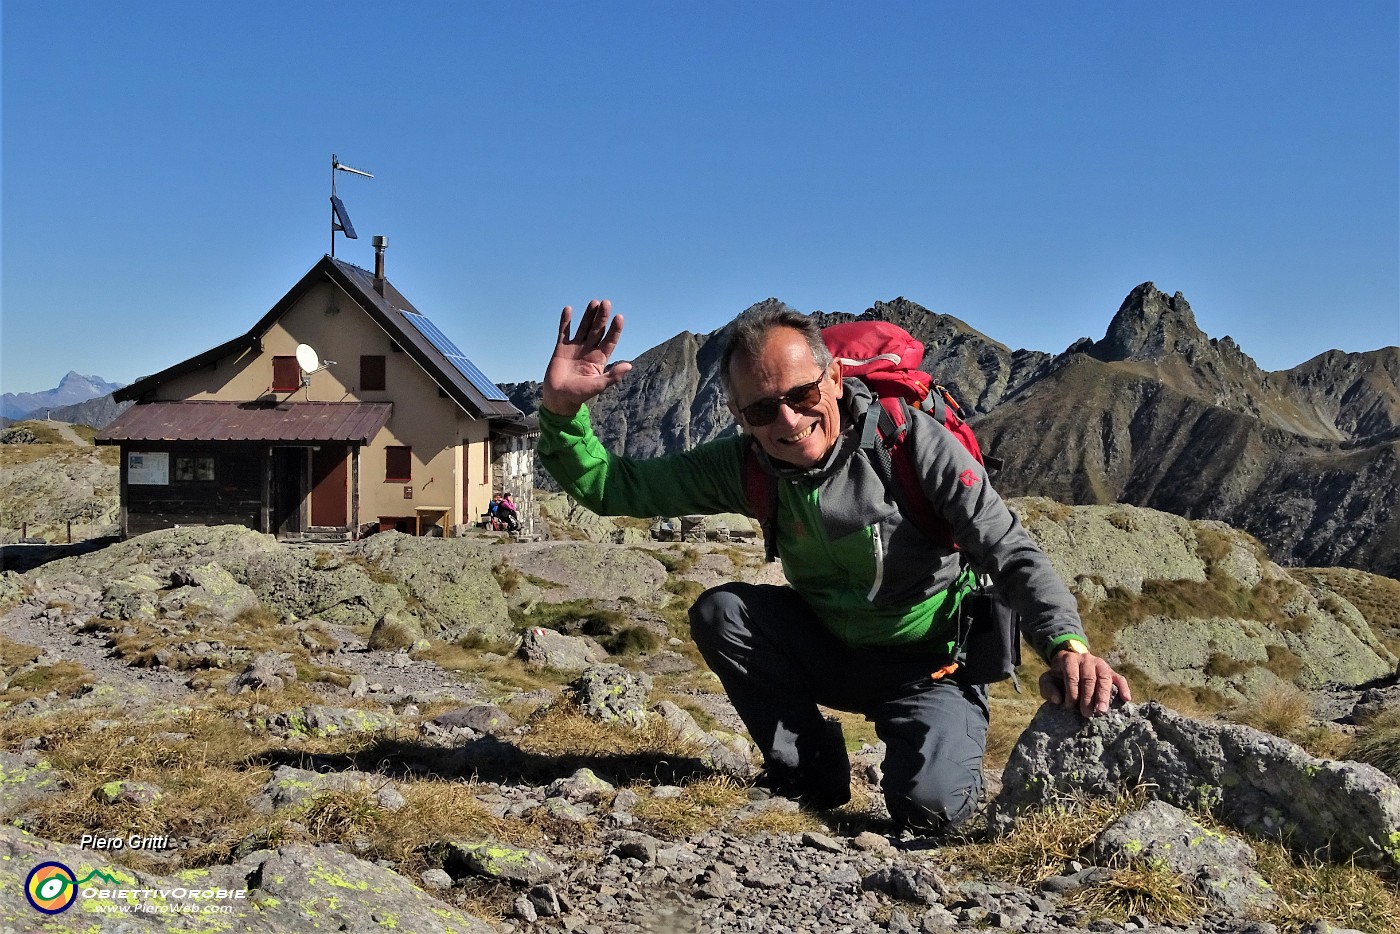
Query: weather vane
pixel 340 220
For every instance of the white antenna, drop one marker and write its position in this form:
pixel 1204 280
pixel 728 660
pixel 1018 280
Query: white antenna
pixel 310 362
pixel 345 168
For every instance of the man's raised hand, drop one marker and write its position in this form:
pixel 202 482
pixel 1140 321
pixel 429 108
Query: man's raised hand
pixel 579 369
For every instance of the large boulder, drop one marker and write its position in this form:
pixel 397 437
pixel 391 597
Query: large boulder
pixel 585 571
pixel 1120 546
pixel 1254 781
pixel 1196 603
pixel 566 515
pixel 547 648
pixel 324 584
pixel 448 579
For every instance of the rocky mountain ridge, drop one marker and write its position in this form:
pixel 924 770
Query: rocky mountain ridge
pixel 1155 413
pixel 72 389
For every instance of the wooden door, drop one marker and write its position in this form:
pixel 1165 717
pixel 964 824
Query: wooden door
pixel 330 486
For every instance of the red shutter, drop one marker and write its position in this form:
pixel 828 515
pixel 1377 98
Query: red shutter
pixel 286 374
pixel 398 465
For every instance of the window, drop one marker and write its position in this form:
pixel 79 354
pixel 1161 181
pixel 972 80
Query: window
pixel 398 465
pixel 286 374
pixel 372 372
pixel 194 469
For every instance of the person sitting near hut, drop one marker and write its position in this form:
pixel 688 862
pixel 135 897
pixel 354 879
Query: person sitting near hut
pixel 507 514
pixel 492 520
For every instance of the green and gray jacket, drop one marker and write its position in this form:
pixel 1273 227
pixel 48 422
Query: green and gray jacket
pixel 869 574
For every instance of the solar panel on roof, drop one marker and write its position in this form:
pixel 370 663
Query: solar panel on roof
pixel 458 359
pixel 342 218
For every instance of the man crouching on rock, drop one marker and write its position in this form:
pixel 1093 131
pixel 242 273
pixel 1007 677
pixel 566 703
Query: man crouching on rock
pixel 866 621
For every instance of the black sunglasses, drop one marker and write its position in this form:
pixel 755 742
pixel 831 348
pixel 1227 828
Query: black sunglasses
pixel 763 411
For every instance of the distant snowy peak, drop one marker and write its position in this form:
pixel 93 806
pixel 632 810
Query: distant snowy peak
pixel 72 389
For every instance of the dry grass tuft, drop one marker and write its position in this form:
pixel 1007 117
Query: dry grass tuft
pixel 389 634
pixel 704 805
pixel 561 731
pixel 1378 743
pixel 1148 888
pixel 1375 597
pixel 1045 840
pixel 1282 710
pixel 343 816
pixel 676 560
pixel 775 821
pixel 1343 894
pixel 505 675
pixel 65 678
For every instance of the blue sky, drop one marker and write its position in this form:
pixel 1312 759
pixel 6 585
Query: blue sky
pixel 1019 165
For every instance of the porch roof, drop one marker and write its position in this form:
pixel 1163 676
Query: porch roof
pixel 352 422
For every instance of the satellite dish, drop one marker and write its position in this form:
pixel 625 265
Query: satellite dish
pixel 307 358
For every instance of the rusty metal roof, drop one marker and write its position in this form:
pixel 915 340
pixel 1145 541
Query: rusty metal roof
pixel 356 422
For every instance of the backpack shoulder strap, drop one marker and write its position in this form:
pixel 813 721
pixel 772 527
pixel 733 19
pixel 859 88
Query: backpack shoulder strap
pixel 761 490
pixel 896 466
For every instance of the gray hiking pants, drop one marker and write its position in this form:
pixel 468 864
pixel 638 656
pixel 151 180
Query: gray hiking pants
pixel 778 662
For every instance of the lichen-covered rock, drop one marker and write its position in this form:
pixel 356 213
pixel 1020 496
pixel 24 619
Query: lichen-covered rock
pixel 585 571
pixel 496 860
pixel 206 587
pixel 1215 613
pixel 1252 780
pixel 546 648
pixel 582 786
pixel 611 692
pixel 160 553
pixel 137 794
pixel 723 752
pixel 483 718
pixel 1220 867
pixel 290 786
pixel 317 720
pixel 448 579
pixel 269 671
pixel 25 779
pixel 1118 545
pixel 323 584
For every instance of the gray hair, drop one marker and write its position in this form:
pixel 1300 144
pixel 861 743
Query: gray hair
pixel 749 332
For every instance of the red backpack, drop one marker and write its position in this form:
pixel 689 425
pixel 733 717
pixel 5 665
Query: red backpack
pixel 886 358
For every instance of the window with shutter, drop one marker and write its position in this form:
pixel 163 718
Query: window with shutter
pixel 398 464
pixel 286 374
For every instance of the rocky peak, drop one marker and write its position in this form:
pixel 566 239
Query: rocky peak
pixel 1150 325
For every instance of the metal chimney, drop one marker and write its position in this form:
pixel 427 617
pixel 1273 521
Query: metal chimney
pixel 380 242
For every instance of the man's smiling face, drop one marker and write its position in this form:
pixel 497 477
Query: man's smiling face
pixel 803 436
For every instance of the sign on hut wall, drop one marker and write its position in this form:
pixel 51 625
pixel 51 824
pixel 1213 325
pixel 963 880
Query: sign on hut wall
pixel 149 468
